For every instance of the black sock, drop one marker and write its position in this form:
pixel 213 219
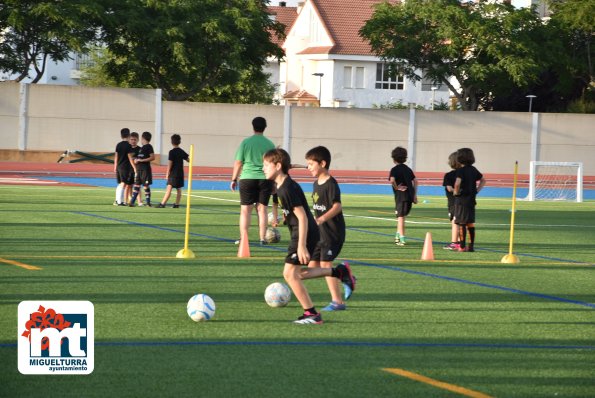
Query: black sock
pixel 462 234
pixel 311 311
pixel 335 273
pixel 135 192
pixel 471 236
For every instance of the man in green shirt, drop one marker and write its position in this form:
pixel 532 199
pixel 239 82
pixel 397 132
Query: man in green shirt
pixel 255 189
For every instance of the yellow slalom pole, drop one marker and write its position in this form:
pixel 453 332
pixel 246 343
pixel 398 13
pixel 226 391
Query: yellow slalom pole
pixel 185 252
pixel 511 258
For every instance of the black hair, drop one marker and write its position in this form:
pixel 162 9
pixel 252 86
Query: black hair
pixel 319 154
pixel 147 136
pixel 134 134
pixel 399 154
pixel 465 156
pixel 259 123
pixel 125 133
pixel 176 139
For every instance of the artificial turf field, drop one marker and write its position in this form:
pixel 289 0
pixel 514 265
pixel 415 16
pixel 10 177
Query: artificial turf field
pixel 480 327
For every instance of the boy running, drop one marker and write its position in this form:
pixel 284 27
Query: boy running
pixel 304 236
pixel 326 197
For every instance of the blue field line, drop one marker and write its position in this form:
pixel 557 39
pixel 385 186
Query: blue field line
pixel 329 344
pixel 346 188
pixel 388 267
pixel 562 260
pixel 481 284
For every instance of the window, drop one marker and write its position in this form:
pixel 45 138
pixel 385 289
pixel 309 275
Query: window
pixel 359 77
pixel 347 70
pixel 386 81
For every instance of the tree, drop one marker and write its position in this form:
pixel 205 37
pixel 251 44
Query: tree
pixel 476 49
pixel 34 31
pixel 191 49
pixel 578 19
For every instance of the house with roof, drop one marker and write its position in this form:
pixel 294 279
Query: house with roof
pixel 328 64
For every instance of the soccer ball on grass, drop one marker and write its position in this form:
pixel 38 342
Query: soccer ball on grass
pixel 277 294
pixel 200 308
pixel 272 235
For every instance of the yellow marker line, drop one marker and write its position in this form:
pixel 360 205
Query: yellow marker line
pixel 22 265
pixel 436 383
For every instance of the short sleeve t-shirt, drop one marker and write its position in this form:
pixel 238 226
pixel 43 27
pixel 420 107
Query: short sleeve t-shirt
pixel 122 150
pixel 469 176
pixel 403 175
pixel 323 197
pixel 177 157
pixel 250 153
pixel 449 181
pixel 145 153
pixel 291 196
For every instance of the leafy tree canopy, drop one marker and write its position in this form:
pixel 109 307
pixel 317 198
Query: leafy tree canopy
pixel 34 31
pixel 192 49
pixel 476 49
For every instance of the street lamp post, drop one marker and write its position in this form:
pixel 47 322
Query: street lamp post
pixel 531 96
pixel 319 75
pixel 434 88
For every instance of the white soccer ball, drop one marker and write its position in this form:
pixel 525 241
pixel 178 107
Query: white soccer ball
pixel 200 308
pixel 277 294
pixel 272 235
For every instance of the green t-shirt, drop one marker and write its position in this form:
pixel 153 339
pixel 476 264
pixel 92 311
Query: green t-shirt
pixel 250 154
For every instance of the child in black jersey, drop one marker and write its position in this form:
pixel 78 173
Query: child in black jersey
pixel 122 168
pixel 144 173
pixel 328 211
pixel 448 182
pixel 304 235
pixel 175 172
pixel 465 189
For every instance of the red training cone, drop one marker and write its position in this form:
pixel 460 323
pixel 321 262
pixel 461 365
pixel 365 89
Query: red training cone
pixel 244 249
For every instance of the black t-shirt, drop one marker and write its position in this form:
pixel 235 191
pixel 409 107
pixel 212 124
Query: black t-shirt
pixel 403 175
pixel 134 151
pixel 145 153
pixel 122 150
pixel 177 157
pixel 449 180
pixel 323 197
pixel 469 176
pixel 291 196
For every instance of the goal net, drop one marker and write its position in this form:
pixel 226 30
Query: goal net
pixel 556 181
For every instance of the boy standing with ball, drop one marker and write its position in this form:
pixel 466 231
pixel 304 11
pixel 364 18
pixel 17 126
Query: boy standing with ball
pixel 326 197
pixel 304 236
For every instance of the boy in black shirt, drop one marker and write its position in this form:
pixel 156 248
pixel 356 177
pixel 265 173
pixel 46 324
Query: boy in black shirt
pixel 122 167
pixel 175 172
pixel 404 186
pixel 304 235
pixel 144 174
pixel 328 211
pixel 465 190
pixel 449 185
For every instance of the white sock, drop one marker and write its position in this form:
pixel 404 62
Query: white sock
pixel 119 194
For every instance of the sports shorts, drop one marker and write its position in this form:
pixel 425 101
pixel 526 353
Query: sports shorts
pixel 255 191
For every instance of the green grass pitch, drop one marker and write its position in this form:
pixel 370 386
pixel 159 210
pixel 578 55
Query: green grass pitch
pixel 502 330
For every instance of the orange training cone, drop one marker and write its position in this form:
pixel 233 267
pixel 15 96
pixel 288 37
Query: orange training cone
pixel 244 249
pixel 428 251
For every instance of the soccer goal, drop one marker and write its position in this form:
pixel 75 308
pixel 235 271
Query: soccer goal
pixel 556 181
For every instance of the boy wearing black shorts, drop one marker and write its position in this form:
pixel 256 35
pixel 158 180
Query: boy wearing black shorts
pixel 448 182
pixel 122 167
pixel 404 187
pixel 144 173
pixel 465 190
pixel 175 172
pixel 328 211
pixel 304 236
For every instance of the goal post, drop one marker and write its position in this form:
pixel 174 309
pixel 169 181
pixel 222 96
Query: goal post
pixel 554 181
